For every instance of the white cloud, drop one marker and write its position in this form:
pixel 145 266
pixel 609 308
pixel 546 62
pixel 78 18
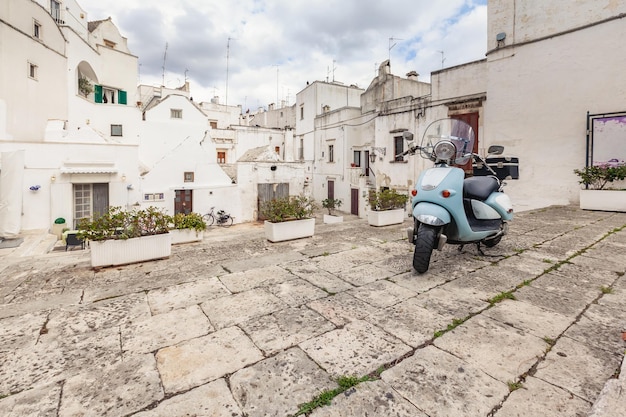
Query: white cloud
pixel 300 39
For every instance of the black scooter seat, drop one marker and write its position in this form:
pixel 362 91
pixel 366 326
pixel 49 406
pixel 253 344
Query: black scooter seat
pixel 479 188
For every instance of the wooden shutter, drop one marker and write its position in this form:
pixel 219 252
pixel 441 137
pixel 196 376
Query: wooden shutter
pixel 97 93
pixel 121 97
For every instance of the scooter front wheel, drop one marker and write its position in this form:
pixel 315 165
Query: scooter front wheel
pixel 424 245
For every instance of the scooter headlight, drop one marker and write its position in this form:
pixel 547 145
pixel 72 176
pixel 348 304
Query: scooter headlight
pixel 445 150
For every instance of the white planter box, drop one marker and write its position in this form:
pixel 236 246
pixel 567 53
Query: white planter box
pixel 139 249
pixel 295 229
pixel 603 200
pixel 329 218
pixel 385 218
pixel 186 236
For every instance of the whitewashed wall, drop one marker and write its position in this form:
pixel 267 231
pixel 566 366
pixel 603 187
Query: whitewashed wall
pixel 537 100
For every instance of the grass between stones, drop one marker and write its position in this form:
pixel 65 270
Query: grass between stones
pixel 326 397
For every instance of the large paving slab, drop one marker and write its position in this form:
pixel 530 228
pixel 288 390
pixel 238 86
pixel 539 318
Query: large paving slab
pixel 357 349
pixel 213 399
pixel 167 329
pixel 227 311
pixel 115 390
pixel 42 402
pixel 286 328
pixel 289 379
pixel 442 385
pixel 162 300
pixel 372 399
pixel 494 347
pixel 539 398
pixel 198 361
pixel 578 368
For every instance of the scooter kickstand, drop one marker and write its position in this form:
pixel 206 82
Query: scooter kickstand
pixel 461 248
pixel 479 249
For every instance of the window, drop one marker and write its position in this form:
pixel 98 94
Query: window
pixel 154 197
pixel 398 147
pixel 357 158
pixel 301 112
pixel 331 153
pixel 213 124
pixel 176 113
pixel 277 150
pixel 32 70
pixel 55 11
pixel 109 43
pixel 221 157
pixel 108 95
pixel 82 201
pixel 116 130
pixel 37 29
pixel 188 176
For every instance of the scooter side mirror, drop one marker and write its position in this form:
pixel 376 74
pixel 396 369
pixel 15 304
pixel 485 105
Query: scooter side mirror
pixel 495 150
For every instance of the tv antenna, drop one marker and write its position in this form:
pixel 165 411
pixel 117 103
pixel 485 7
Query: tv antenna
pixel 442 58
pixel 328 71
pixel 277 68
pixel 164 59
pixel 394 44
pixel 227 60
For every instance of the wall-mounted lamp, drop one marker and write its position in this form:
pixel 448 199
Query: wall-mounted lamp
pixel 123 177
pixel 53 178
pixel 377 151
pixel 129 187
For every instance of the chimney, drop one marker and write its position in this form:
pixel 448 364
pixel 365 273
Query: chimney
pixel 413 75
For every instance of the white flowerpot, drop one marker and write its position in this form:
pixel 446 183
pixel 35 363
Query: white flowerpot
pixel 330 218
pixel 294 229
pixel 127 251
pixel 186 236
pixel 386 217
pixel 603 200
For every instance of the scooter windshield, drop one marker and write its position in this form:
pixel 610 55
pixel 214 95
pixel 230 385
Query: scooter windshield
pixel 459 133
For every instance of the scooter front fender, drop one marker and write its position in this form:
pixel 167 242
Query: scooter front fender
pixel 431 214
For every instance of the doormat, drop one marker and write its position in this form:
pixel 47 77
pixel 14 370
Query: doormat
pixel 10 243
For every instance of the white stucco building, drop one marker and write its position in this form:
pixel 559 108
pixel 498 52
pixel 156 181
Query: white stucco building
pixel 79 146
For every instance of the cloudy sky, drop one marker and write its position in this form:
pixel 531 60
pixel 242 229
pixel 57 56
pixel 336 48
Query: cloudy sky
pixel 276 46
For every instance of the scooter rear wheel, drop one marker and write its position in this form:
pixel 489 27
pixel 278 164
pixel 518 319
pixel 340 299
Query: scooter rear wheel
pixel 424 245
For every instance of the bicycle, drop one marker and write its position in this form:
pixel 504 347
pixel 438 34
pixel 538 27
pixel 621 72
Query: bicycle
pixel 222 218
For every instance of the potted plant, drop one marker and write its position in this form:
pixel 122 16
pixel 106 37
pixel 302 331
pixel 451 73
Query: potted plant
pixel 332 204
pixel 288 218
pixel 386 207
pixel 598 192
pixel 120 237
pixel 84 86
pixel 186 228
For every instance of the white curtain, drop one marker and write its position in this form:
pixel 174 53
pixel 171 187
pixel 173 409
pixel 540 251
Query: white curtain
pixel 11 189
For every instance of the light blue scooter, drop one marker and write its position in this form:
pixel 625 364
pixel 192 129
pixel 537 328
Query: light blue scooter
pixel 447 207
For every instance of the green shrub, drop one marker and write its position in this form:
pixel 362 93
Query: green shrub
pixel 386 199
pixel 288 208
pixel 331 204
pixel 120 224
pixel 188 221
pixel 598 176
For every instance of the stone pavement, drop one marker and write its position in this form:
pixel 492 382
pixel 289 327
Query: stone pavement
pixel 237 326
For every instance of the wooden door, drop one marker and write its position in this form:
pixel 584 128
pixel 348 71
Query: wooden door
pixel 331 189
pixel 183 202
pixel 354 201
pixel 472 120
pixel 100 199
pixel 267 192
